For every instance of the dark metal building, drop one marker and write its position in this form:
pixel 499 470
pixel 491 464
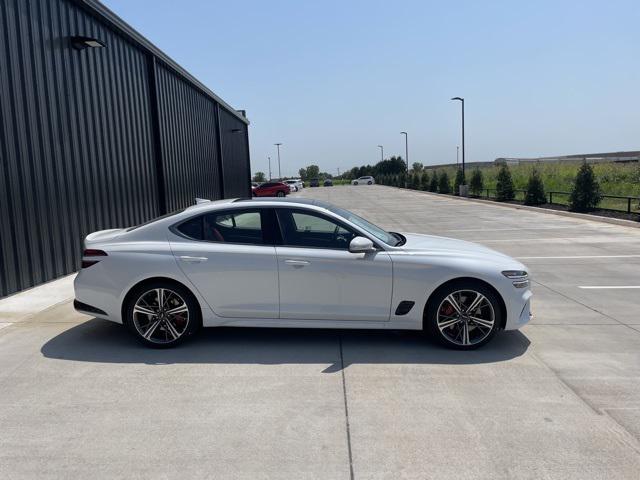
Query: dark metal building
pixel 98 137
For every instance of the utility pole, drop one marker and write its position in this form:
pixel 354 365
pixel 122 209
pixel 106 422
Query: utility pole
pixel 461 100
pixel 457 152
pixel 381 152
pixel 279 171
pixel 269 168
pixel 406 154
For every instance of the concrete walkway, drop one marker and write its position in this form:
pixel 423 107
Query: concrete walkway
pixel 560 400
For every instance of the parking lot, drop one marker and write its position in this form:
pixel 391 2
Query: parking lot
pixel 79 397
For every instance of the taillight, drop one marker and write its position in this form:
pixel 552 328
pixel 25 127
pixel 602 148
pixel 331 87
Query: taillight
pixel 89 252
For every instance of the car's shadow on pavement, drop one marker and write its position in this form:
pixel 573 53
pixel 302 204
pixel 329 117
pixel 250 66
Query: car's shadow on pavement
pixel 105 342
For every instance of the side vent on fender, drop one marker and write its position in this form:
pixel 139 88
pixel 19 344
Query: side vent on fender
pixel 404 307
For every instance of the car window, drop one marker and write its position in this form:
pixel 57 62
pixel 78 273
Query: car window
pixel 311 230
pixel 243 226
pixel 192 228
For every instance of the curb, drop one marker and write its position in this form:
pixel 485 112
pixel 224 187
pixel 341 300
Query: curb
pixel 582 216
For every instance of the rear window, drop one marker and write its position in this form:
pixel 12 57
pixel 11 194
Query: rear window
pixel 166 215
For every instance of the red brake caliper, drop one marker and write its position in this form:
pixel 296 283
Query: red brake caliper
pixel 447 310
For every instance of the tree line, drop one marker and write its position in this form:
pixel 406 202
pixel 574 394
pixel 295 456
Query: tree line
pixel 584 197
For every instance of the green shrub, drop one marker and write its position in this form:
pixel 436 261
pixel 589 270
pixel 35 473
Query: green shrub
pixel 402 180
pixel 424 183
pixel 585 195
pixel 535 190
pixel 504 185
pixel 476 184
pixel 433 184
pixel 443 183
pixel 415 181
pixel 459 180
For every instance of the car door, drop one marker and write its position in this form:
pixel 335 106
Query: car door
pixel 320 279
pixel 229 258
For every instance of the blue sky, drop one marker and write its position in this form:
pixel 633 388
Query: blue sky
pixel 333 79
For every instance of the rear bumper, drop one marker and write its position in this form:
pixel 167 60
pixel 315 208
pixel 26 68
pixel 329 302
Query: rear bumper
pixel 88 309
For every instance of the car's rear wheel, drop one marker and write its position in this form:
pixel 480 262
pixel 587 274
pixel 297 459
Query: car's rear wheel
pixel 463 315
pixel 369 183
pixel 162 314
pixel 280 194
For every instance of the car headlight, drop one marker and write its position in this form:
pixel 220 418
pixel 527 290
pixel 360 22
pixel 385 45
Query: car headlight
pixel 520 278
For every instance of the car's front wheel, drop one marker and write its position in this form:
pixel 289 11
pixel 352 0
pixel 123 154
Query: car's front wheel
pixel 463 315
pixel 162 314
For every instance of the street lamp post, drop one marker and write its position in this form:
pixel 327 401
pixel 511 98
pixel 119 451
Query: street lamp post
pixel 269 168
pixel 457 155
pixel 462 101
pixel 381 152
pixel 279 172
pixel 406 155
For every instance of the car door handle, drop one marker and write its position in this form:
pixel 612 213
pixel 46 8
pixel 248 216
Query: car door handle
pixel 297 263
pixel 189 259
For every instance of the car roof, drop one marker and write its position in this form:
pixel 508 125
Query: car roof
pixel 287 201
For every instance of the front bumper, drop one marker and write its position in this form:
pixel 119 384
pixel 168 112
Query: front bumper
pixel 519 312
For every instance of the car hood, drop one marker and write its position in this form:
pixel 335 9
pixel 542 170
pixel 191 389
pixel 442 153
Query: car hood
pixel 431 244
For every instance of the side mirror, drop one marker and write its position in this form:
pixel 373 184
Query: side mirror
pixel 360 245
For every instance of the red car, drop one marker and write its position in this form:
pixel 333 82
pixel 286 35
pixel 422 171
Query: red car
pixel 271 189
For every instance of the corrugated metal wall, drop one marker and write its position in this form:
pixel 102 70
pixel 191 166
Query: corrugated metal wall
pixel 83 144
pixel 235 145
pixel 188 141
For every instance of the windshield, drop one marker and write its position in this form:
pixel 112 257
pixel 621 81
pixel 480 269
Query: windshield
pixel 369 227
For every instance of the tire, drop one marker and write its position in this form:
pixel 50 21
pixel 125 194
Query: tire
pixel 355 183
pixel 280 194
pixel 464 330
pixel 369 183
pixel 169 330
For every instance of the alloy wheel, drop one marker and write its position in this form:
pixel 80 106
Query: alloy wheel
pixel 161 316
pixel 465 317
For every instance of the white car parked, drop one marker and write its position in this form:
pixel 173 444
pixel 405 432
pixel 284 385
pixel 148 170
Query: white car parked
pixel 295 263
pixel 367 180
pixel 294 186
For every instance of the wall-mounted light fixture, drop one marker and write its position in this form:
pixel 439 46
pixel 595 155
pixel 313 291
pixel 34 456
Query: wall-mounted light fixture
pixel 80 43
pixel 236 130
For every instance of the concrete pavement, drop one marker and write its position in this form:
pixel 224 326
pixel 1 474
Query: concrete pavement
pixel 560 399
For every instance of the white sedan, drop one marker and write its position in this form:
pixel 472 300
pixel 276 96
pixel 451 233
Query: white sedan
pixel 295 263
pixel 294 186
pixel 363 181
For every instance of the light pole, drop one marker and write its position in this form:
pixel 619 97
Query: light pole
pixel 457 154
pixel 462 101
pixel 279 172
pixel 269 168
pixel 381 152
pixel 406 156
